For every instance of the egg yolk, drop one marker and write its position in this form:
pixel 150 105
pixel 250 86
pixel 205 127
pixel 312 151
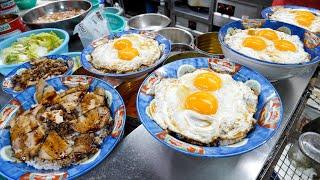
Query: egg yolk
pixel 284 45
pixel 122 44
pixel 255 43
pixel 304 18
pixel 202 102
pixel 128 54
pixel 268 34
pixel 207 81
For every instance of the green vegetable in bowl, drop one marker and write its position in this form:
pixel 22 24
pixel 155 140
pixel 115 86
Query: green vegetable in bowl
pixel 31 47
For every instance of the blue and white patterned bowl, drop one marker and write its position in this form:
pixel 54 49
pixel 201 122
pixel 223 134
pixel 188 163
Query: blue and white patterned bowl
pixel 269 109
pixel 76 58
pixel 7 85
pixel 25 100
pixel 63 48
pixel 163 42
pixel 267 12
pixel 273 71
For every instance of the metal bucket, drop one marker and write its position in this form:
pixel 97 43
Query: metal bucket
pixel 208 43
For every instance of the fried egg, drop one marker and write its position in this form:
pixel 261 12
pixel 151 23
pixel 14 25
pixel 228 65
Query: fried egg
pixel 204 106
pixel 125 54
pixel 299 17
pixel 267 45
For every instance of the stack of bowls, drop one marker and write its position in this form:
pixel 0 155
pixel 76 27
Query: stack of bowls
pixel 25 4
pixel 95 4
pixel 116 22
pixel 114 10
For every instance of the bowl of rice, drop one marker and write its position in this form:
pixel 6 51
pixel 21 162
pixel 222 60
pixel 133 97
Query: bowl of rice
pixel 275 49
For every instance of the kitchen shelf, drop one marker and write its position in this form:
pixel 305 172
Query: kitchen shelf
pixel 182 10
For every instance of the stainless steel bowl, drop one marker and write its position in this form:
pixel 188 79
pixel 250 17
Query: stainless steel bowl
pixel 67 24
pixel 309 144
pixel 181 47
pixel 183 55
pixel 177 35
pixel 208 43
pixel 149 22
pixel 306 152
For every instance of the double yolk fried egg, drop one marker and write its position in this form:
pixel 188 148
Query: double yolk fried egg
pixel 267 45
pixel 298 17
pixel 204 106
pixel 125 54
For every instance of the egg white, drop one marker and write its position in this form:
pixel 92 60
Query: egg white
pixel 287 15
pixel 234 117
pixel 106 56
pixel 234 39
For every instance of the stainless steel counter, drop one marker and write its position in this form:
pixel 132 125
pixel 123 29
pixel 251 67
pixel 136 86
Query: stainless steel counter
pixel 140 156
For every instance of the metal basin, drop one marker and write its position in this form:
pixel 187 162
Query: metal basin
pixel 66 24
pixel 177 35
pixel 149 22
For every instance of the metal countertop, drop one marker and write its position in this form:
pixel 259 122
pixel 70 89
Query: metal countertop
pixel 140 156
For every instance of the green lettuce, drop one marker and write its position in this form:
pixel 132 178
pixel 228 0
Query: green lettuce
pixel 31 47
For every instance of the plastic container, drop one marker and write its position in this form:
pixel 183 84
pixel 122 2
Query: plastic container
pixel 8 7
pixel 116 23
pixel 113 10
pixel 10 24
pixel 63 48
pixel 25 4
pixel 95 4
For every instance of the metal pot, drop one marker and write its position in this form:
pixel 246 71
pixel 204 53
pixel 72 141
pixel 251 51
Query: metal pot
pixel 149 22
pixel 181 40
pixel 306 151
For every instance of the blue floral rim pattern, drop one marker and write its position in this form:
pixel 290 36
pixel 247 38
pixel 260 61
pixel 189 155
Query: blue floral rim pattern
pixel 267 12
pixel 310 40
pixel 25 100
pixel 269 109
pixel 163 42
pixel 7 82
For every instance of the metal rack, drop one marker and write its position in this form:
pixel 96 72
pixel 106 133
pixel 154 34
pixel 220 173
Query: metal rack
pixel 279 165
pixel 285 169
